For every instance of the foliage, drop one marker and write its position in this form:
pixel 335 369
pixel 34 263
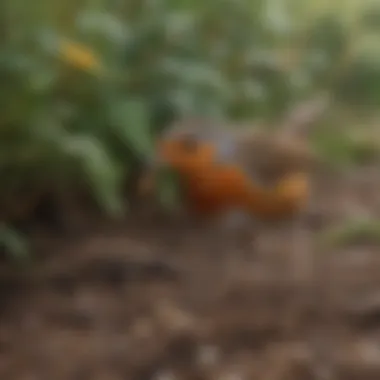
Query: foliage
pixel 352 232
pixel 87 85
pixel 14 243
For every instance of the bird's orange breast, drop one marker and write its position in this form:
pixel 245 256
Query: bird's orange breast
pixel 214 190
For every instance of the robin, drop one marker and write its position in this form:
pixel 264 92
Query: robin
pixel 232 176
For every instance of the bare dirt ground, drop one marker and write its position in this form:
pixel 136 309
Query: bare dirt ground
pixel 145 300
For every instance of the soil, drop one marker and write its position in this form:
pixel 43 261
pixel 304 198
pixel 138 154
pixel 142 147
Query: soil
pixel 152 299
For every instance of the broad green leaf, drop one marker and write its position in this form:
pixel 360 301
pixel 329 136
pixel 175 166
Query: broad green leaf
pixel 101 24
pixel 102 174
pixel 130 122
pixel 14 243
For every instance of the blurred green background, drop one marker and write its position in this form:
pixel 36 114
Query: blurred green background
pixel 87 85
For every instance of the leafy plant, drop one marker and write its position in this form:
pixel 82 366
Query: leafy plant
pixel 87 86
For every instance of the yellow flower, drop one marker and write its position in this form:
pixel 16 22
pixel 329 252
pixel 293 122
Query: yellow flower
pixel 79 56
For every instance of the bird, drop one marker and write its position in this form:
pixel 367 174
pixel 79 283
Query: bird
pixel 238 176
pixel 222 171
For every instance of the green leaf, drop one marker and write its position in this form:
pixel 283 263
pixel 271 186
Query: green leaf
pixel 102 174
pixel 130 122
pixel 353 231
pixel 14 243
pixel 101 24
pixel 43 79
